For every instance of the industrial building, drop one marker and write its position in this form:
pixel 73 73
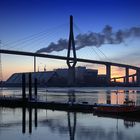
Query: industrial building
pixel 59 77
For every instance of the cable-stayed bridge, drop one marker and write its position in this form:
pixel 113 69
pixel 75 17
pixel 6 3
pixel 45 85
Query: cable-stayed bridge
pixel 107 64
pixel 72 59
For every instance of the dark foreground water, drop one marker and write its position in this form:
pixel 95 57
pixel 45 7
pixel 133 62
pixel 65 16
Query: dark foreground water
pixel 36 124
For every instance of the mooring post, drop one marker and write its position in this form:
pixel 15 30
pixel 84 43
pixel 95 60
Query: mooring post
pixel 23 87
pixel 35 88
pixel 30 86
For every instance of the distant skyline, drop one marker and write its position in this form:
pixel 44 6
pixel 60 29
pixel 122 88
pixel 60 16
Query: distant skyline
pixel 22 18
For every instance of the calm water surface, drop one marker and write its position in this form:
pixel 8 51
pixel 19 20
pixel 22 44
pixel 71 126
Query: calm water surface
pixel 33 124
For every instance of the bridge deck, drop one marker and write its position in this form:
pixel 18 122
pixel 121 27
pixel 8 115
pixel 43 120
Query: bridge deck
pixel 65 58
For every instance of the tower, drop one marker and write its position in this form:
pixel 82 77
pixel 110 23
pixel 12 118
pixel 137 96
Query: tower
pixel 71 56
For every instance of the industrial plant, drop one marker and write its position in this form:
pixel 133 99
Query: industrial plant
pixel 59 77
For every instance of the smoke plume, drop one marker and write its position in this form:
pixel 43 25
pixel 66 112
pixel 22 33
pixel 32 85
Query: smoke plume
pixel 91 39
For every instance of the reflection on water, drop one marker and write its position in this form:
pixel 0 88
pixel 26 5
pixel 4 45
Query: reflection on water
pixel 36 124
pixel 64 125
pixel 71 119
pixel 90 95
pixel 72 127
pixel 24 124
pixel 30 119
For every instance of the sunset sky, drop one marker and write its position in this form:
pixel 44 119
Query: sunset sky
pixel 30 25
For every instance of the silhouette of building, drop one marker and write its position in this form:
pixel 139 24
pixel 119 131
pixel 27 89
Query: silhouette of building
pixel 102 80
pixel 59 77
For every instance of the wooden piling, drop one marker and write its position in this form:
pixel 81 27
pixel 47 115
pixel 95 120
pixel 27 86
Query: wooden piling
pixel 35 88
pixel 30 86
pixel 23 87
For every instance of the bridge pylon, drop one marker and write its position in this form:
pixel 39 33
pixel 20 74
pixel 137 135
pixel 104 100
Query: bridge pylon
pixel 108 74
pixel 138 76
pixel 71 56
pixel 126 76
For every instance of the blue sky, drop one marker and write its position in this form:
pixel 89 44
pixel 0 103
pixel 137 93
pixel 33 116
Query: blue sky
pixel 22 18
pixel 25 17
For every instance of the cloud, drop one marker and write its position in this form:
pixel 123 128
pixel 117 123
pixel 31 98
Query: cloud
pixel 92 39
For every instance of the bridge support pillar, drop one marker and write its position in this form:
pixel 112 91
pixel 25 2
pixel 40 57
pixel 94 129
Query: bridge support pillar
pixel 114 80
pixel 133 79
pixel 138 76
pixel 34 64
pixel 108 73
pixel 127 76
pixel 124 79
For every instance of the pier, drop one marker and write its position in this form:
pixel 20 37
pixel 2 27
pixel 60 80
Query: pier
pixel 67 106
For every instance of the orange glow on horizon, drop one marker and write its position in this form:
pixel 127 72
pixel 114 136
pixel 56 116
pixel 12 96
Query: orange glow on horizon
pixel 25 64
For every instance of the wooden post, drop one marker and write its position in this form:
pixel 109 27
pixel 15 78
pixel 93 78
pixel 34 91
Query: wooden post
pixel 30 86
pixel 23 87
pixel 35 88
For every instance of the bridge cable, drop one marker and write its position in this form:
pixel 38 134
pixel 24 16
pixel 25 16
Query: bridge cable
pixel 32 41
pixel 36 34
pixel 80 31
pixel 31 37
pixel 105 56
pixel 40 40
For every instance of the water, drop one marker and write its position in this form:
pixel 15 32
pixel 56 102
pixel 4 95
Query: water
pixel 31 124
